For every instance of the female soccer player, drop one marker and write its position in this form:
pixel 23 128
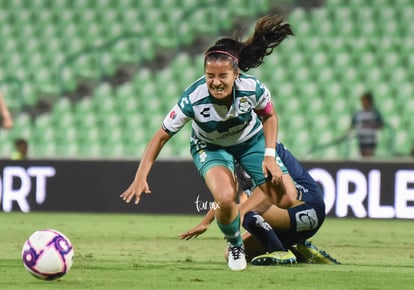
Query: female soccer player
pixel 224 106
pixel 271 231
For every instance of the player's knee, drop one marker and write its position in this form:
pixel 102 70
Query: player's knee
pixel 225 200
pixel 249 220
pixel 225 203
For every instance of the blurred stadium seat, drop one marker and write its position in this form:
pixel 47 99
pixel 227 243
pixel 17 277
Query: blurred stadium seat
pixel 339 50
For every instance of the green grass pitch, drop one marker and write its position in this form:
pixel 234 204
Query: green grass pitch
pixel 136 251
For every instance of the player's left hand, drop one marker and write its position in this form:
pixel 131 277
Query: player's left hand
pixel 269 166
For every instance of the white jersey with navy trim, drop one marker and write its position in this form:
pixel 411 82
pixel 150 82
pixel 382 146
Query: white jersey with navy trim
pixel 212 122
pixel 366 124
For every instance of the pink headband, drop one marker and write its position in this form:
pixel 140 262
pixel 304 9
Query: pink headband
pixel 222 52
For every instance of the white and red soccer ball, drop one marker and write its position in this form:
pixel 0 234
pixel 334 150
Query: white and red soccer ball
pixel 47 254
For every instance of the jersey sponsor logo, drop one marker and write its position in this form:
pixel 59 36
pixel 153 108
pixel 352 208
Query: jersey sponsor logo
pixel 306 220
pixel 205 112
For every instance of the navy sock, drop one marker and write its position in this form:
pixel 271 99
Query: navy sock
pixel 260 229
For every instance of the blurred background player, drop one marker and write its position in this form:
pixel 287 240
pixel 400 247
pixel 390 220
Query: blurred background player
pixel 275 235
pixel 367 122
pixel 224 106
pixel 5 115
pixel 21 147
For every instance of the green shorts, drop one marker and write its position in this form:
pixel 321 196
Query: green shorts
pixel 248 154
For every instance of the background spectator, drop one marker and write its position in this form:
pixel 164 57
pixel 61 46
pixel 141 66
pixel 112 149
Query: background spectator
pixel 366 122
pixel 21 147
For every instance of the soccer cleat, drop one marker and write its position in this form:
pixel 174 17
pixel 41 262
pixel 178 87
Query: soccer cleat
pixel 274 258
pixel 312 254
pixel 236 258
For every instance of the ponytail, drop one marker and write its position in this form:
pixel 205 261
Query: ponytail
pixel 268 34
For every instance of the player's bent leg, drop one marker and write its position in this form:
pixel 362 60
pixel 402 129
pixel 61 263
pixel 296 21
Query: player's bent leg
pixel 259 228
pixel 220 182
pixel 252 246
pixel 312 254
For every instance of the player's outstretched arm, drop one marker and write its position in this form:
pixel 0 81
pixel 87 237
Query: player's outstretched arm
pixel 139 185
pixel 200 228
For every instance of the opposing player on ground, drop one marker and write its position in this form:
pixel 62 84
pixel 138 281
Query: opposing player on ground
pixel 275 235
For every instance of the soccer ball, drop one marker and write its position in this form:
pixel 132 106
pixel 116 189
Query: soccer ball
pixel 47 254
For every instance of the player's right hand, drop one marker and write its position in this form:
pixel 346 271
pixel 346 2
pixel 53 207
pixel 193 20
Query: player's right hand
pixel 136 188
pixel 270 167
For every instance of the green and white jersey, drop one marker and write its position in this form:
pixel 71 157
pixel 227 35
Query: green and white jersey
pixel 212 122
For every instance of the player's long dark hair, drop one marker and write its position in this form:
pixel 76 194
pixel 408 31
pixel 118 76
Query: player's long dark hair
pixel 269 32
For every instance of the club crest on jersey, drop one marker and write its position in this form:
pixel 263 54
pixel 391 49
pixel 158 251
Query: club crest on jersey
pixel 244 105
